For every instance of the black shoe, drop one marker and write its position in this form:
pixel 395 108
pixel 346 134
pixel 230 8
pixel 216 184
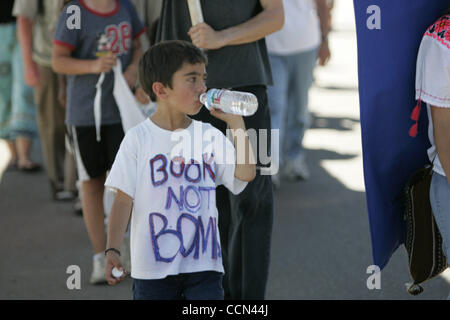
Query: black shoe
pixel 30 167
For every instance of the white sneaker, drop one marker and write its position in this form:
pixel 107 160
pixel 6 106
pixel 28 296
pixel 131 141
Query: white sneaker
pixel 98 270
pixel 297 170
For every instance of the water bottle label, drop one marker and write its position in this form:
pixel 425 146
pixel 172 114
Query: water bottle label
pixel 216 96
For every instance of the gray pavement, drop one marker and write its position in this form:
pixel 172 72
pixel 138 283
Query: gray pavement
pixel 321 239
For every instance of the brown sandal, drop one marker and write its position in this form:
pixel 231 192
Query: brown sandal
pixel 30 167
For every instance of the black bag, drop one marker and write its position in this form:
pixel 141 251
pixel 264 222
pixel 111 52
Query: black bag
pixel 423 241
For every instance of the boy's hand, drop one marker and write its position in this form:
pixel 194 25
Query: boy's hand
pixel 113 261
pixel 233 120
pixel 32 74
pixel 104 63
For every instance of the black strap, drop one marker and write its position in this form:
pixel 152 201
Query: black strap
pixel 112 249
pixel 41 8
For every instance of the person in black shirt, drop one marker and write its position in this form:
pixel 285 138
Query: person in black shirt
pixel 233 37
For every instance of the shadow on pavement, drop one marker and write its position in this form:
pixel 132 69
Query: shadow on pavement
pixel 321 245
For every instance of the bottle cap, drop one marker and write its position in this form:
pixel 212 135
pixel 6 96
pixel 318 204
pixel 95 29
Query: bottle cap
pixel 203 99
pixel 117 273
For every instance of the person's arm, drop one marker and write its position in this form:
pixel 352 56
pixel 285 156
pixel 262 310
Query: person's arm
pixel 324 14
pixel 117 226
pixel 62 87
pixel 269 20
pixel 131 72
pixel 63 62
pixel 245 161
pixel 25 36
pixel 441 125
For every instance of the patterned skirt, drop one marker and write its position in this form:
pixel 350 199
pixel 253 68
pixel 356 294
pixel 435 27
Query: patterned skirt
pixel 17 109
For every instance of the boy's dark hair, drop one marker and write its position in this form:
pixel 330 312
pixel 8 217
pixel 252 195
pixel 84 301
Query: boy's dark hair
pixel 163 59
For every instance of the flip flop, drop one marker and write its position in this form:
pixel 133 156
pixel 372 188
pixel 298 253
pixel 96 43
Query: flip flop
pixel 30 167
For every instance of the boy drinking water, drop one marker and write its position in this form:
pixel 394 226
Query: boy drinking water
pixel 170 191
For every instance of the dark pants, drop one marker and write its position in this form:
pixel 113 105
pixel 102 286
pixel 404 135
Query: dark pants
pixel 189 286
pixel 59 163
pixel 245 220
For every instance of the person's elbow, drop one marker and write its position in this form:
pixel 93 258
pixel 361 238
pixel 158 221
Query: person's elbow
pixel 276 16
pixel 248 175
pixel 58 56
pixel 252 175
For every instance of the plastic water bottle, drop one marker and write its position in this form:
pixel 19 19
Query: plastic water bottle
pixel 236 102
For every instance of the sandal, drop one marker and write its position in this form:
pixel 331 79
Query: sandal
pixel 30 167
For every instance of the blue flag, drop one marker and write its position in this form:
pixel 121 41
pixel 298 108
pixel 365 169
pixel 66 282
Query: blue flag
pixel 389 33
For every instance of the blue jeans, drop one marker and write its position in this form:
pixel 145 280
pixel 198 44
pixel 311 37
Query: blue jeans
pixel 440 203
pixel 288 100
pixel 188 286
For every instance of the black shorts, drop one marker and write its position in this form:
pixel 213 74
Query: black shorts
pixel 94 158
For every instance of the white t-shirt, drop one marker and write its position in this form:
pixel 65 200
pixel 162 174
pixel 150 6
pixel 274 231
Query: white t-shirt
pixel 174 225
pixel 433 76
pixel 301 30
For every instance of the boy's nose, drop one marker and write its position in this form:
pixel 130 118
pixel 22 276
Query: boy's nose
pixel 203 88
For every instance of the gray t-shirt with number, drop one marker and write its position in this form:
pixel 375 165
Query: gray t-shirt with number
pixel 95 35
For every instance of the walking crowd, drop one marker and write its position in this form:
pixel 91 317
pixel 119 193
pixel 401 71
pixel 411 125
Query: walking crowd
pixel 183 228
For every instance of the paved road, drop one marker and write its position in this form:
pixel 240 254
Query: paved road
pixel 321 240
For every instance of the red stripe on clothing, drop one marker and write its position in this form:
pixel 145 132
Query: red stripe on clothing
pixel 137 35
pixel 64 44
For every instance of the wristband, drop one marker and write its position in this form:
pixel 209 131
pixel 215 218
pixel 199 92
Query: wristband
pixel 112 249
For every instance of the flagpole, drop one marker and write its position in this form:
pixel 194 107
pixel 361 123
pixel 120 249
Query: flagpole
pixel 195 10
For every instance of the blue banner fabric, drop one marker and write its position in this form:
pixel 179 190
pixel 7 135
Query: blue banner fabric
pixel 389 33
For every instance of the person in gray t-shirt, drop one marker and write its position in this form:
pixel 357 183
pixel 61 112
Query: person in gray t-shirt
pixel 98 35
pixel 107 31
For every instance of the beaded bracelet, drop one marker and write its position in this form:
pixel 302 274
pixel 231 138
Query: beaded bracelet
pixel 112 249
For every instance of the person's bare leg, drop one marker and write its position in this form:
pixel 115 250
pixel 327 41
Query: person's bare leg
pixel 94 213
pixel 70 173
pixel 23 147
pixel 13 152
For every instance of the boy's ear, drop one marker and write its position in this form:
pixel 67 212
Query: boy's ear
pixel 160 90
